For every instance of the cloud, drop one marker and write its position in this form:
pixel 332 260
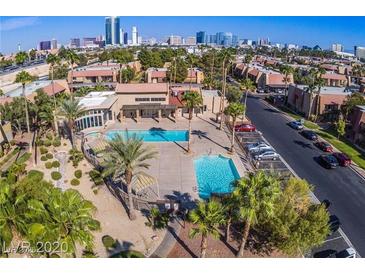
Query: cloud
pixel 19 22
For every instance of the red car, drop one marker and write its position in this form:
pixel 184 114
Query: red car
pixel 342 159
pixel 245 128
pixel 324 146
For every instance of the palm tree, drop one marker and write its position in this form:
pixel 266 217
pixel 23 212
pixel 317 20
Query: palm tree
pixel 207 217
pixel 234 110
pixel 52 60
pixel 255 196
pixel 24 77
pixel 226 59
pixel 71 109
pixel 246 85
pixel 72 59
pixel 286 71
pixel 314 88
pixel 125 158
pixel 192 100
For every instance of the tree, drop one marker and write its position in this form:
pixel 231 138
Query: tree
pixel 207 218
pixel 32 54
pixel 60 72
pixel 21 57
pixel 52 60
pixel 233 95
pixel 178 71
pixel 192 100
pixel 340 127
pixel 24 77
pixel 234 110
pixel 246 85
pixel 125 158
pixel 314 88
pixel 255 196
pixel 298 225
pixel 72 59
pixel 71 110
pixel 287 71
pixel 122 57
pixel 44 108
pixel 127 75
pixel 351 102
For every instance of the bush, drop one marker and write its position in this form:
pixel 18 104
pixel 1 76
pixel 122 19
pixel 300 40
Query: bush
pixel 35 175
pixel 56 142
pixel 13 142
pixel 49 156
pixel 56 175
pixel 49 136
pixel 47 143
pixel 43 150
pixel 55 164
pixel 96 176
pixel 108 241
pixel 48 165
pixel 75 182
pixel 78 174
pixel 44 158
pixel 76 157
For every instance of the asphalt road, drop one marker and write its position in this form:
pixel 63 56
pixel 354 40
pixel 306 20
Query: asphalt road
pixel 342 186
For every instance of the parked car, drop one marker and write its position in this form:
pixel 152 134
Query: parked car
pixel 245 128
pixel 334 224
pixel 266 155
pixel 342 158
pixel 346 253
pixel 326 147
pixel 328 161
pixel 260 147
pixel 309 134
pixel 330 253
pixel 252 145
pixel 296 125
pixel 326 203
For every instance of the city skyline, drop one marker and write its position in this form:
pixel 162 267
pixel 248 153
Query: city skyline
pixel 310 31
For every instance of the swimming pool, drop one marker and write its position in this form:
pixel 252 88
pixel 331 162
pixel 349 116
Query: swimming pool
pixel 152 135
pixel 215 174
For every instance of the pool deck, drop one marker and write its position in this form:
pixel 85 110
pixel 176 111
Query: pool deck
pixel 174 168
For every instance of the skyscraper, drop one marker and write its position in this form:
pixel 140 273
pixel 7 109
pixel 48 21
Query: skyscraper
pixel 359 52
pixel 201 37
pixel 175 40
pixel 125 38
pixel 45 45
pixel 337 47
pixel 134 36
pixel 112 30
pixel 75 43
pixel 54 43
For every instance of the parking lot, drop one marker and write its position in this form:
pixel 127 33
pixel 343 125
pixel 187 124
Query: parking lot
pixel 336 241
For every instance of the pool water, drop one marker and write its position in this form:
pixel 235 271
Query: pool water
pixel 215 174
pixel 154 135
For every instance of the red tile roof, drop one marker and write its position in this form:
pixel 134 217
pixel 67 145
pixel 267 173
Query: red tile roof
pixel 92 73
pixel 57 89
pixel 275 79
pixel 334 76
pixel 254 72
pixel 329 66
pixel 142 88
pixel 176 100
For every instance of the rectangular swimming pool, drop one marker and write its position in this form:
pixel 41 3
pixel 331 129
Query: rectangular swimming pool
pixel 215 174
pixel 153 135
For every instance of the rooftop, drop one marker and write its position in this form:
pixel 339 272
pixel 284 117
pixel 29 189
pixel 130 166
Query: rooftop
pixel 100 100
pixel 328 90
pixel 143 88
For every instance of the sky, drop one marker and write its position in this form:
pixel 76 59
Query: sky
pixel 310 31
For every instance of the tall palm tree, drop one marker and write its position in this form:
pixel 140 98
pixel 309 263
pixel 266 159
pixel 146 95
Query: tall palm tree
pixel 314 88
pixel 52 60
pixel 191 100
pixel 286 71
pixel 71 110
pixel 72 59
pixel 227 58
pixel 125 158
pixel 234 110
pixel 255 196
pixel 207 217
pixel 246 85
pixel 24 77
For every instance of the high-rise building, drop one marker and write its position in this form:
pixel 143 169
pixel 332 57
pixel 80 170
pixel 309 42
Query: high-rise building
pixel 112 30
pixel 234 40
pixel 359 52
pixel 125 38
pixel 122 36
pixel 190 41
pixel 89 41
pixel 247 42
pixel 212 39
pixel 134 36
pixel 337 47
pixel 227 39
pixel 75 43
pixel 174 40
pixel 53 44
pixel 139 40
pixel 201 37
pixel 263 41
pixel 45 45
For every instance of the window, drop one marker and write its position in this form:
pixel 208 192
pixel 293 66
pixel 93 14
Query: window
pixel 158 99
pixel 331 107
pixel 142 99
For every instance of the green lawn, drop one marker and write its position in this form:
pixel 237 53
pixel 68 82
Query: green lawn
pixel 307 123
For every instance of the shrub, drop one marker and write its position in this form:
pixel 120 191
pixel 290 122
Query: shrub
pixel 108 241
pixel 44 158
pixel 158 220
pixel 56 142
pixel 43 150
pixel 12 142
pixel 75 182
pixel 38 141
pixel 56 175
pixel 35 175
pixel 78 174
pixel 95 191
pixel 49 136
pixel 47 143
pixel 76 157
pixel 96 176
pixel 55 164
pixel 49 156
pixel 48 165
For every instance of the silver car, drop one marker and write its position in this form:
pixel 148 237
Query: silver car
pixel 266 155
pixel 260 147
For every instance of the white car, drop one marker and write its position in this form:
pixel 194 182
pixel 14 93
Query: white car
pixel 260 147
pixel 266 155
